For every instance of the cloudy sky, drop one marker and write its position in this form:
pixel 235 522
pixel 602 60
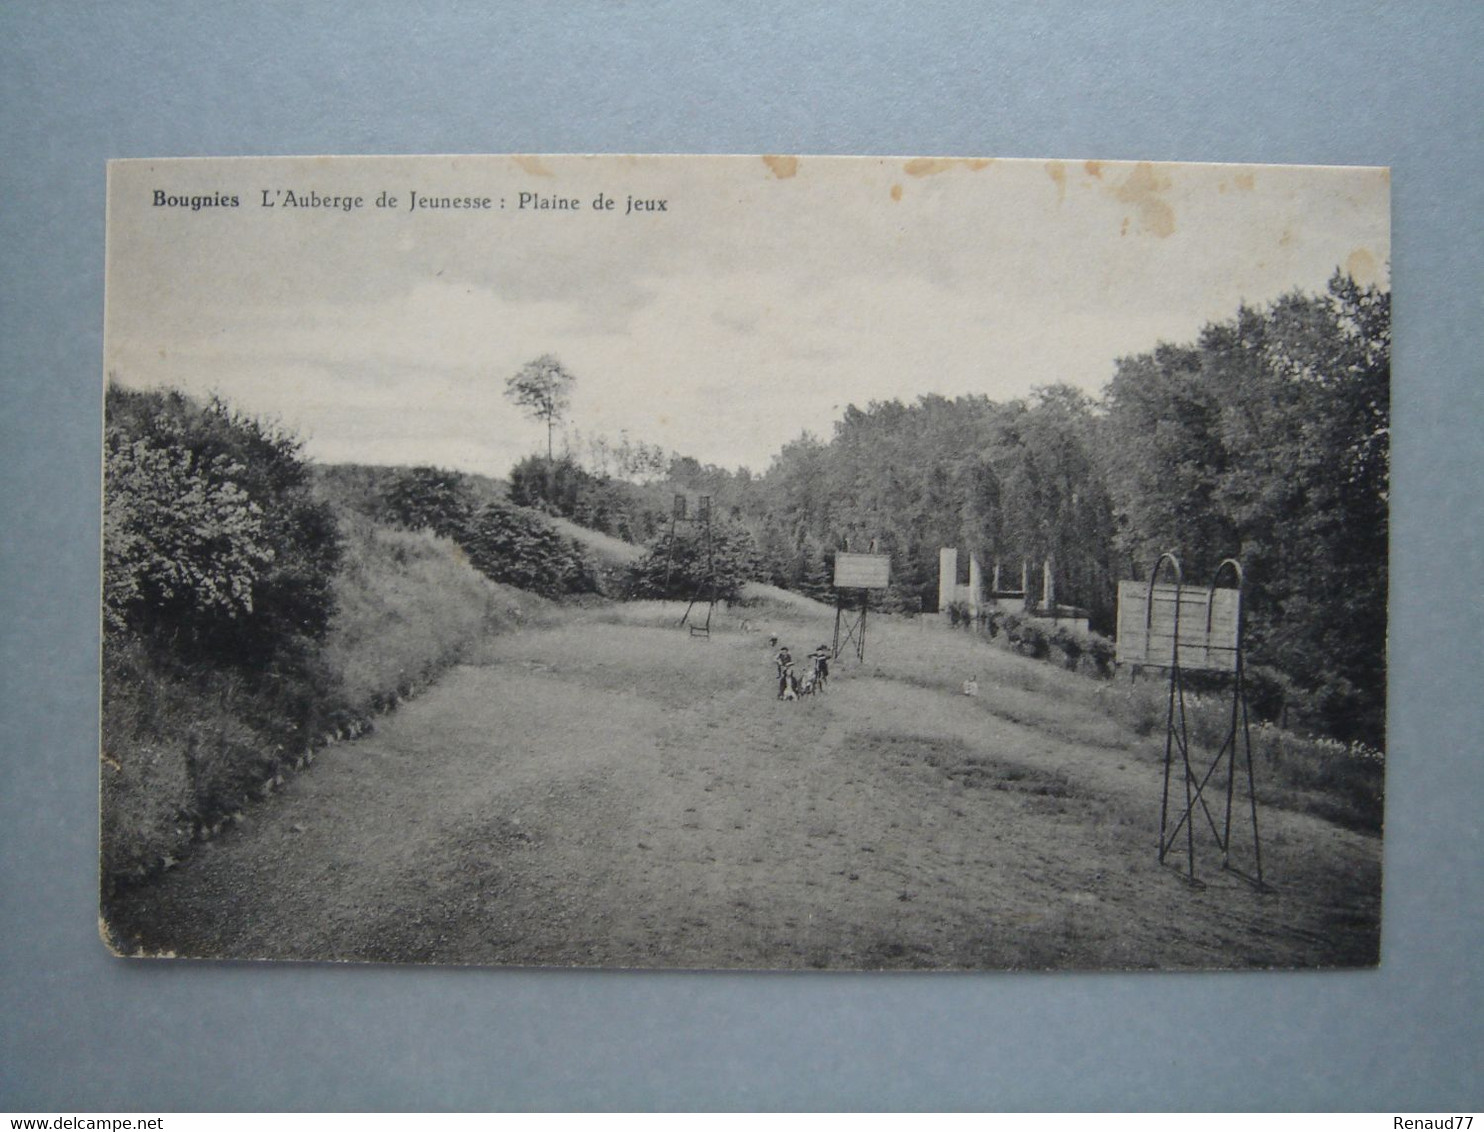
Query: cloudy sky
pixel 768 295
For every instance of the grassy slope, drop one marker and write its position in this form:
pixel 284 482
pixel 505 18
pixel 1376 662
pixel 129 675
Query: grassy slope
pixel 179 749
pixel 407 606
pixel 608 551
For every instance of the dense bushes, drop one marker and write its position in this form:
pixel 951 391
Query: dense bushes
pixel 185 743
pixel 1075 650
pixel 680 570
pixel 213 541
pixel 179 533
pixel 425 498
pixel 511 545
pixel 598 502
pixel 1268 439
pixel 507 543
pixel 219 569
pixel 245 621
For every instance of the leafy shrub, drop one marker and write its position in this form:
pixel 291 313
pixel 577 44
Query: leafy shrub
pixel 186 742
pixel 514 546
pixel 549 485
pixel 599 502
pixel 214 542
pixel 1026 637
pixel 1087 652
pixel 1268 692
pixel 1102 652
pixel 425 498
pixel 245 623
pixel 680 572
pixel 1068 644
pixel 179 534
pixel 218 566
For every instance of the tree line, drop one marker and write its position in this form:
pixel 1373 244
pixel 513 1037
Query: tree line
pixel 1264 439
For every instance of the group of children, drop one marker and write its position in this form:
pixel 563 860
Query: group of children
pixel 789 684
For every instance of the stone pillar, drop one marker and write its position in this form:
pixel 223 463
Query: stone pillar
pixel 947 577
pixel 976 586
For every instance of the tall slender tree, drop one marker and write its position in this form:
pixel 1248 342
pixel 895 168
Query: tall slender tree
pixel 543 388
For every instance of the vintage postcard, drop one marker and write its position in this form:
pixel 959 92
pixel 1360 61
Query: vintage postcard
pixel 745 562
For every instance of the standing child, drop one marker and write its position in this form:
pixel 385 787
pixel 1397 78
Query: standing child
pixel 821 659
pixel 785 662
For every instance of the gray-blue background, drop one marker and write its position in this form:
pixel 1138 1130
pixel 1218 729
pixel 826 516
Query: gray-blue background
pixel 1338 83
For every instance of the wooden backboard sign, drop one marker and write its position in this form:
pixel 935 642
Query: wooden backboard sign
pixel 862 571
pixel 1209 622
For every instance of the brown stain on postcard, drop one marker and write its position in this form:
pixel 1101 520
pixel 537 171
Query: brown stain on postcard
pixel 1360 265
pixel 1058 173
pixel 1144 189
pixel 928 166
pixel 896 192
pixel 1094 169
pixel 783 167
pixel 533 166
pixel 1244 181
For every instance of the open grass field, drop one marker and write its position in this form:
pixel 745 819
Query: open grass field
pixel 602 789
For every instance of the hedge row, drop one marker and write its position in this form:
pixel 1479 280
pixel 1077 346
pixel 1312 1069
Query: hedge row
pixel 1031 637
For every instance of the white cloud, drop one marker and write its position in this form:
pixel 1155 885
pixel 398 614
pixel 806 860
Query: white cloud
pixel 753 309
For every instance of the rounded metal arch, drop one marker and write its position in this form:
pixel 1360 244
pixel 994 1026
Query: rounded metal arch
pixel 1174 562
pixel 1211 593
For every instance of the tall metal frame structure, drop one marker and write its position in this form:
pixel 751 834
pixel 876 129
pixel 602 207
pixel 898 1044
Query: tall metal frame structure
pixel 706 585
pixel 861 573
pixel 1177 737
pixel 852 623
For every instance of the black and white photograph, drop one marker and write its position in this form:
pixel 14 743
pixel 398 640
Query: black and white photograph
pixel 745 562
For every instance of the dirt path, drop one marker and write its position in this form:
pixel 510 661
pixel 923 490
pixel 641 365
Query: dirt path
pixel 599 793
